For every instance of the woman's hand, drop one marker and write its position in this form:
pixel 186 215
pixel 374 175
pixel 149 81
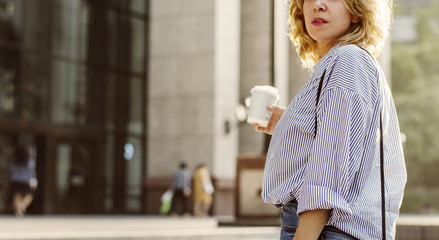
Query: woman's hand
pixel 276 113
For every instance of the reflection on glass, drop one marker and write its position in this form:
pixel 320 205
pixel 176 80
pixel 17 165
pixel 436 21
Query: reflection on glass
pixel 33 90
pixel 138 6
pixel 102 37
pixel 63 156
pixel 112 38
pixel 129 151
pixel 73 164
pixel 7 89
pixel 132 51
pixel 109 176
pixel 6 156
pixel 138 45
pixel 7 8
pixel 69 89
pixel 34 29
pixel 10 21
pixel 134 177
pixel 111 101
pixel 70 29
pixel 9 72
pixel 135 124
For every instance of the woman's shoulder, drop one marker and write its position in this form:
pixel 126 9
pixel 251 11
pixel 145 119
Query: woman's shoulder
pixel 353 60
pixel 352 69
pixel 352 54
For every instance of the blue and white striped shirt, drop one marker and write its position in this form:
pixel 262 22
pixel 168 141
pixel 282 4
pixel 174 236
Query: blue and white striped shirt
pixel 338 167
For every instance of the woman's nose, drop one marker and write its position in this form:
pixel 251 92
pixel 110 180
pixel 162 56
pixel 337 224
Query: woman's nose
pixel 319 6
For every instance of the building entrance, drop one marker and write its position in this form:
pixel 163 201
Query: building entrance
pixel 75 161
pixel 68 166
pixel 77 83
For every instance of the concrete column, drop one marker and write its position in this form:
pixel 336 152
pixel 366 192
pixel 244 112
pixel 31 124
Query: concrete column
pixel 225 100
pixel 281 51
pixel 226 87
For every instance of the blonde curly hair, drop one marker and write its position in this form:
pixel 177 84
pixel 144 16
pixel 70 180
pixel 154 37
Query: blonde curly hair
pixel 370 32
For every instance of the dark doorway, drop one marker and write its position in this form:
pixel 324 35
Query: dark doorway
pixel 75 160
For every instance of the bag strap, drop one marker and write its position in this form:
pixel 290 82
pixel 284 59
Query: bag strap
pixel 383 200
pixel 319 90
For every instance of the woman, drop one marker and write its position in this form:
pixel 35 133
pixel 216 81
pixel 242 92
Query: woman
pixel 323 163
pixel 203 190
pixel 23 179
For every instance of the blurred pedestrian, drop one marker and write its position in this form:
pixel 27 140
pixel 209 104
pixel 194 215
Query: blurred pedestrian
pixel 203 191
pixel 23 179
pixel 181 186
pixel 324 162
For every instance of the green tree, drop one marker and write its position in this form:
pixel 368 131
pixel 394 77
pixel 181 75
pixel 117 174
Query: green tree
pixel 415 84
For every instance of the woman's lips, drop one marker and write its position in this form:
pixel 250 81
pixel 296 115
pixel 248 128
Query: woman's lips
pixel 319 21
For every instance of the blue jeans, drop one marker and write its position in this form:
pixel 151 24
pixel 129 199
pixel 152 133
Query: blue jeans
pixel 290 220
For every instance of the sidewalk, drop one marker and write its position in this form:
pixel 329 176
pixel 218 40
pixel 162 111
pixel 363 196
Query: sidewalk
pixel 114 227
pixel 125 227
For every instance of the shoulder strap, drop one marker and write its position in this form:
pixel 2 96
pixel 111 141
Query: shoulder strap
pixel 319 90
pixel 383 200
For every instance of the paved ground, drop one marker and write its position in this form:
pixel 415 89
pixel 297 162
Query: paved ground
pixel 110 227
pixel 126 228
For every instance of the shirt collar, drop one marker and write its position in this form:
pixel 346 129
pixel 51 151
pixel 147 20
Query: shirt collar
pixel 320 67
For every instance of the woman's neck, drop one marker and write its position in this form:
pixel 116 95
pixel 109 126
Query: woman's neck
pixel 324 47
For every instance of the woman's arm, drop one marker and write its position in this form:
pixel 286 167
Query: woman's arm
pixel 276 114
pixel 311 224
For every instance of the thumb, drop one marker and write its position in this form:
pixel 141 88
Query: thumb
pixel 273 108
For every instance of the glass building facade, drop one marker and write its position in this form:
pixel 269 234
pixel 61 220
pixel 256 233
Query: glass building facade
pixel 73 84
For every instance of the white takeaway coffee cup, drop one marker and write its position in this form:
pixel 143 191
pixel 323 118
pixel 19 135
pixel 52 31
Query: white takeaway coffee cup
pixel 261 97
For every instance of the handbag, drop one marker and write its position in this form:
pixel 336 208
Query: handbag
pixel 383 201
pixel 166 200
pixel 208 187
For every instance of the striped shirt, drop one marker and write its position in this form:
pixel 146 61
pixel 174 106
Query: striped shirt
pixel 338 167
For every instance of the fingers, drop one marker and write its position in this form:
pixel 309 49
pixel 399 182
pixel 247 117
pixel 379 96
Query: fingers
pixel 271 108
pixel 256 127
pixel 259 128
pixel 276 112
pixel 275 109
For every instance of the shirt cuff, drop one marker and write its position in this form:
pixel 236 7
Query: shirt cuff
pixel 318 197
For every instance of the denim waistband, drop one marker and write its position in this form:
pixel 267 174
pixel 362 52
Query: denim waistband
pixel 293 201
pixel 280 205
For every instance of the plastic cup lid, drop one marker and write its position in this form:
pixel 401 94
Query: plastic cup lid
pixel 266 89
